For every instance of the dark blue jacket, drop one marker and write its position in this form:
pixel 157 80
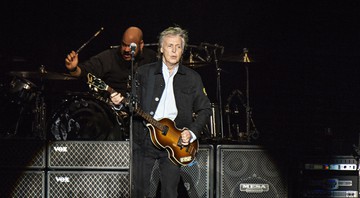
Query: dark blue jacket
pixel 190 96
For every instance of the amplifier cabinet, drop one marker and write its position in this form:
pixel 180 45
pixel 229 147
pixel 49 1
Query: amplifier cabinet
pixel 22 153
pixel 88 155
pixel 19 184
pixel 69 184
pixel 250 171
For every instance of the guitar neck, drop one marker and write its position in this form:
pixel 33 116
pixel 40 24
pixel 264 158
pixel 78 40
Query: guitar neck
pixel 150 119
pixel 98 83
pixel 109 89
pixel 145 115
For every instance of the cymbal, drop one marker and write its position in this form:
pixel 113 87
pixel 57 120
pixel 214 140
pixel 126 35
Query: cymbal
pixel 39 75
pixel 195 63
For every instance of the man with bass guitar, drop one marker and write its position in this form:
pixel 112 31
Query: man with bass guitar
pixel 169 93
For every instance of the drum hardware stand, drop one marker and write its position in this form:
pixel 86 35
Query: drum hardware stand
pixel 240 135
pixel 218 91
pixel 254 134
pixel 39 126
pixel 18 122
pixel 40 116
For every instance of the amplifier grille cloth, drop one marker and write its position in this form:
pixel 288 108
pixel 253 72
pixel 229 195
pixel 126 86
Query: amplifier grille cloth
pixel 89 154
pixel 88 184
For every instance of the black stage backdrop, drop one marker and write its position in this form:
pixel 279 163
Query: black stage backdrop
pixel 304 81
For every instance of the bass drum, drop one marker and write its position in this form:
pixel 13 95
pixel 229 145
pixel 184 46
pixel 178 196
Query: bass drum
pixel 84 117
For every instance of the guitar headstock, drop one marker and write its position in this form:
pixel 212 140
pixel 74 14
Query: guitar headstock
pixel 96 83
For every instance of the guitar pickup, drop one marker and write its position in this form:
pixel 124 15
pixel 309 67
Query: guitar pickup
pixel 165 130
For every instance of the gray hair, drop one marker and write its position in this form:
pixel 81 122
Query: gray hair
pixel 173 31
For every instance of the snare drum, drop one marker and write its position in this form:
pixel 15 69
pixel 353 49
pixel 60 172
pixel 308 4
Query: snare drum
pixel 84 117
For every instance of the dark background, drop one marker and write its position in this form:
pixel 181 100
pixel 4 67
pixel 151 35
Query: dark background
pixel 304 81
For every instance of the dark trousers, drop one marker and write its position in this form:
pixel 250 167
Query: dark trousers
pixel 143 158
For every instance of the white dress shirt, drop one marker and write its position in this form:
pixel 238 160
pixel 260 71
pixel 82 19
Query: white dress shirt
pixel 167 105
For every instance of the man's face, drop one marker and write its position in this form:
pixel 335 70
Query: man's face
pixel 172 49
pixel 125 47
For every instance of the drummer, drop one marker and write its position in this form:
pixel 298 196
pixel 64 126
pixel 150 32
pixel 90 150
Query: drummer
pixel 113 65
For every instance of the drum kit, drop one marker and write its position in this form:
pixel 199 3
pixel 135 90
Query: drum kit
pixel 205 55
pixel 86 115
pixel 32 110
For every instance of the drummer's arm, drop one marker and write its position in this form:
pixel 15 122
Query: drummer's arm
pixel 71 64
pixel 75 72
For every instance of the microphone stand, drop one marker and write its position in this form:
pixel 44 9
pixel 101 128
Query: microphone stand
pixel 132 105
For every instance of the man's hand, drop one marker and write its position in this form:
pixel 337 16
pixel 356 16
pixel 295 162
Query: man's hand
pixel 185 137
pixel 71 61
pixel 116 98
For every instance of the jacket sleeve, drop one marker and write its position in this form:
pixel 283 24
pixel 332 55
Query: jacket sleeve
pixel 201 107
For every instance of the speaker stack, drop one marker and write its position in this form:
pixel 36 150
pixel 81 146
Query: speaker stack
pixel 101 169
pixel 88 169
pixel 250 171
pixel 22 168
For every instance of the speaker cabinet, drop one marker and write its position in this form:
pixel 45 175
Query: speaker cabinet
pixel 88 155
pixel 22 153
pixel 196 180
pixel 250 171
pixel 69 184
pixel 19 184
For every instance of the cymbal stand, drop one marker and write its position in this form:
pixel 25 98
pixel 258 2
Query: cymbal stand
pixel 39 126
pixel 247 60
pixel 218 94
pixel 249 119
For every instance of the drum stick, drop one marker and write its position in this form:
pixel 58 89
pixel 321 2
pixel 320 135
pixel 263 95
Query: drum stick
pixel 95 35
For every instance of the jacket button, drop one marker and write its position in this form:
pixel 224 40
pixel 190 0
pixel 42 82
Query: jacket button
pixel 157 99
pixel 151 113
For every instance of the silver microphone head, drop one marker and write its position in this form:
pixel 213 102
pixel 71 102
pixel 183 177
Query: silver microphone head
pixel 133 47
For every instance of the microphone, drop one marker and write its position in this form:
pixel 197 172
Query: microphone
pixel 133 48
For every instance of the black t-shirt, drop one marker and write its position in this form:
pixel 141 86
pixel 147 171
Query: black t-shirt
pixel 110 67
